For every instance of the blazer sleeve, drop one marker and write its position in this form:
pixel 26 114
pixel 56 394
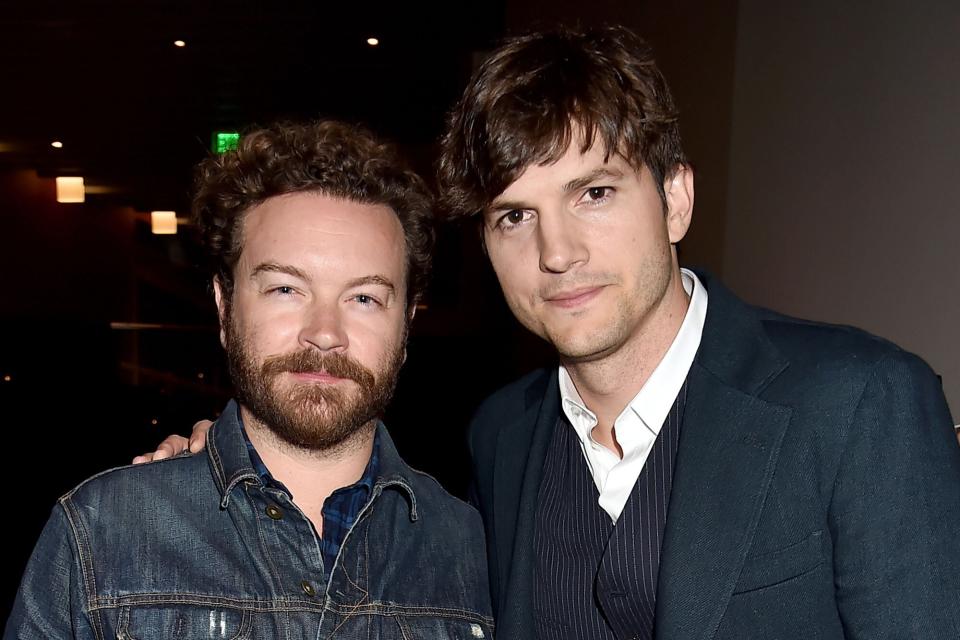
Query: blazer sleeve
pixel 895 509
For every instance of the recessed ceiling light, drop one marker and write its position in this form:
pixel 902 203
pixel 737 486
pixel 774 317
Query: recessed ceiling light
pixel 373 42
pixel 56 144
pixel 179 43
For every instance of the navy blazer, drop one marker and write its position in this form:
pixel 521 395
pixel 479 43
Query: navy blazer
pixel 816 492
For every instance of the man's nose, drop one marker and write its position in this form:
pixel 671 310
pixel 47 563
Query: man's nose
pixel 561 244
pixel 323 329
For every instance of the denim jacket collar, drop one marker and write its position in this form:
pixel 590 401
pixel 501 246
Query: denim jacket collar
pixel 230 461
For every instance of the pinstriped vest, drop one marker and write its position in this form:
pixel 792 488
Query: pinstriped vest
pixel 595 580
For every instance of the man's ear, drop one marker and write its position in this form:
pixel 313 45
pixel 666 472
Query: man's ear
pixel 678 190
pixel 219 296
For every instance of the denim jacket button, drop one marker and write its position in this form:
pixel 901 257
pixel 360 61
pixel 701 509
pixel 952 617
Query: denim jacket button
pixel 274 512
pixel 308 588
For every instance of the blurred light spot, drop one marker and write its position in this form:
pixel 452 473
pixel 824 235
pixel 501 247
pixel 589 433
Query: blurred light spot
pixel 179 43
pixel 56 144
pixel 70 189
pixel 373 42
pixel 163 222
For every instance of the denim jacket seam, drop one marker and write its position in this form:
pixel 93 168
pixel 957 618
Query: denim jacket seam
pixel 236 604
pixel 351 609
pixel 85 560
pixel 275 575
pixel 391 608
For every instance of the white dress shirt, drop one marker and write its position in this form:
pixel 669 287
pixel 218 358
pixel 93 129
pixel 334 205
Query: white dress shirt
pixel 638 425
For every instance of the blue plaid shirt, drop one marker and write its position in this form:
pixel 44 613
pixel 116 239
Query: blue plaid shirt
pixel 340 509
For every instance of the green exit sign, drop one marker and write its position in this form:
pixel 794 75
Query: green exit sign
pixel 224 141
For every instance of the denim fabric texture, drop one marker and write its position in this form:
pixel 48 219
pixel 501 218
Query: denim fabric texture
pixel 340 509
pixel 198 547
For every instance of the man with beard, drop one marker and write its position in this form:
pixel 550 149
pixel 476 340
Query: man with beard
pixel 301 520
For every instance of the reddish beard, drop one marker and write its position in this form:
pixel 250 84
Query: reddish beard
pixel 307 415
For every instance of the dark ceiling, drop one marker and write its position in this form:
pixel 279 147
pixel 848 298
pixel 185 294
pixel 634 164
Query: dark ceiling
pixel 135 113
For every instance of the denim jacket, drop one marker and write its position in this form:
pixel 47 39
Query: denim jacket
pixel 197 547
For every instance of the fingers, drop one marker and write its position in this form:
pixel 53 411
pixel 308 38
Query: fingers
pixel 198 438
pixel 170 447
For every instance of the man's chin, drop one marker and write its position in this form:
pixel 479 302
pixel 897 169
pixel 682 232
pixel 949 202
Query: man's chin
pixel 318 436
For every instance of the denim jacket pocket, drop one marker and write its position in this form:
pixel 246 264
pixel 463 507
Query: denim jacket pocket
pixel 182 622
pixel 775 567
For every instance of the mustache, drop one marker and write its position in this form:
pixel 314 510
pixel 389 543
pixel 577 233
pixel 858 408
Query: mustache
pixel 311 361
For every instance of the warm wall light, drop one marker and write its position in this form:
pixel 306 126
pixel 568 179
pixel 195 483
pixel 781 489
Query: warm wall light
pixel 56 144
pixel 373 42
pixel 69 189
pixel 179 43
pixel 163 222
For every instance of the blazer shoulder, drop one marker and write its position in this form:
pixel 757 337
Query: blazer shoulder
pixel 808 340
pixel 505 405
pixel 842 356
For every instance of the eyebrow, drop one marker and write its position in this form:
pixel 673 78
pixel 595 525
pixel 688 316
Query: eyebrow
pixel 374 279
pixel 602 172
pixel 276 267
pixel 574 185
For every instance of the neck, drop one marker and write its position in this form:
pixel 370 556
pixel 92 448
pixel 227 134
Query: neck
pixel 607 384
pixel 312 475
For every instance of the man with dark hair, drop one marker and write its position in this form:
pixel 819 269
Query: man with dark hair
pixel 694 467
pixel 301 520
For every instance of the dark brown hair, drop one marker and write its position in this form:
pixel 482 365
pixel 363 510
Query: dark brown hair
pixel 536 93
pixel 329 157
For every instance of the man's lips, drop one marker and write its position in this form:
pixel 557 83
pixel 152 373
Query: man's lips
pixel 572 298
pixel 316 376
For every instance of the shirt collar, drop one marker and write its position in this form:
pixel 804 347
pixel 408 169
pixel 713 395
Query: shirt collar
pixel 365 482
pixel 231 462
pixel 653 401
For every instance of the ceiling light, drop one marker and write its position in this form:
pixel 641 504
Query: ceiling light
pixel 373 42
pixel 56 144
pixel 163 222
pixel 179 43
pixel 70 189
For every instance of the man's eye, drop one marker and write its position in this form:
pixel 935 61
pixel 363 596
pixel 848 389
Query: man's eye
pixel 513 218
pixel 597 193
pixel 281 290
pixel 366 300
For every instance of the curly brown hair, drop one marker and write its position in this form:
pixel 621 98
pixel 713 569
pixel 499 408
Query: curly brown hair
pixel 334 158
pixel 535 94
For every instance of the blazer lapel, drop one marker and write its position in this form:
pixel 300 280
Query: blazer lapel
pixel 729 444
pixel 521 451
pixel 728 451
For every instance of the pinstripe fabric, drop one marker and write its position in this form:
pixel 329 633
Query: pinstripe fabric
pixel 594 579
